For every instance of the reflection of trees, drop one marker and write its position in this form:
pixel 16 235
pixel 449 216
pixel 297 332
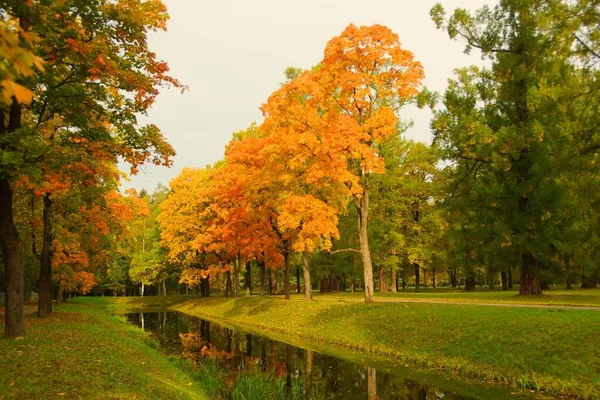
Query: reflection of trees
pixel 308 364
pixel 371 384
pixel 322 376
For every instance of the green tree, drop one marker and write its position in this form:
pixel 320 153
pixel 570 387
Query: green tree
pixel 511 131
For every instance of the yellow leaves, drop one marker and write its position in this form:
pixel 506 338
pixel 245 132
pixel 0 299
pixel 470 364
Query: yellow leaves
pixel 16 61
pixel 11 88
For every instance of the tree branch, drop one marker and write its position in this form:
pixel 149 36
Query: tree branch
pixel 344 251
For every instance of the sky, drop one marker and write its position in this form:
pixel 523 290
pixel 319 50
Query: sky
pixel 232 54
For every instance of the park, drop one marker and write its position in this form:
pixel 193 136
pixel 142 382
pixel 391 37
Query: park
pixel 412 211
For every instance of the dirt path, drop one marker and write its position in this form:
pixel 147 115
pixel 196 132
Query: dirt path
pixel 563 307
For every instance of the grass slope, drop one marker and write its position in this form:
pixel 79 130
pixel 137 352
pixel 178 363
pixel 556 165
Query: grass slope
pixel 557 351
pixel 82 352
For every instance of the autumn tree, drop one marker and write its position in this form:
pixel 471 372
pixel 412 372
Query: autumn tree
pixel 345 108
pixel 99 76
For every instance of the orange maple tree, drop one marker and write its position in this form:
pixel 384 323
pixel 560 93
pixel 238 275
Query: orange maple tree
pixel 339 113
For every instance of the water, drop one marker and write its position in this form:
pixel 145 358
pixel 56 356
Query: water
pixel 344 376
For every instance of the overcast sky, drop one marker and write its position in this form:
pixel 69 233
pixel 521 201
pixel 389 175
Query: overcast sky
pixel 232 54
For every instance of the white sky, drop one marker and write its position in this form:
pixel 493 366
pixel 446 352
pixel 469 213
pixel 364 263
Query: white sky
pixel 232 54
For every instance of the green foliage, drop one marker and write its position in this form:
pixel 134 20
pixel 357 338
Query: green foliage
pixel 516 137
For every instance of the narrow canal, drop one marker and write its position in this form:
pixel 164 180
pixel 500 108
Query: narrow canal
pixel 310 373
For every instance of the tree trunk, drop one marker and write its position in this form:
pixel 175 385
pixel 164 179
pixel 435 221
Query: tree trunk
pixel 403 277
pixel 452 275
pixel 228 284
pixel 433 277
pixel 205 287
pixel 298 288
pixel 164 287
pixel 12 254
pixel 530 281
pixel 470 283
pixel 417 277
pixel 509 278
pixel 568 284
pixel 362 208
pixel 248 278
pixel 394 280
pixel 270 281
pixel 45 297
pixel 504 281
pixel 588 282
pixel 142 292
pixel 60 297
pixel 286 279
pixel 237 265
pixel 10 241
pixel 382 282
pixel 261 268
pixel 307 280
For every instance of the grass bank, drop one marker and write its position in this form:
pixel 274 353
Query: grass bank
pixel 80 351
pixel 557 351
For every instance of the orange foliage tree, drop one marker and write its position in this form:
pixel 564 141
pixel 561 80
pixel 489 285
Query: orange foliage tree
pixel 341 111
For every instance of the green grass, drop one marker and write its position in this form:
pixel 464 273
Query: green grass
pixel 557 351
pixel 80 351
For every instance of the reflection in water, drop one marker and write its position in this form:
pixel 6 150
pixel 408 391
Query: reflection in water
pixel 309 374
pixel 371 384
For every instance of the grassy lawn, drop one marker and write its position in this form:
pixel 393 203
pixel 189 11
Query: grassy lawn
pixel 553 350
pixel 82 352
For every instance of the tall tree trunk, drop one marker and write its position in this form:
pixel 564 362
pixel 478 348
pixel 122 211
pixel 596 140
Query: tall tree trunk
pixel 164 285
pixel 504 281
pixel 10 241
pixel 270 281
pixel 237 265
pixel 12 254
pixel 45 297
pixel 298 288
pixel 142 292
pixel 417 277
pixel 362 208
pixel 510 280
pixel 60 296
pixel 530 283
pixel 286 283
pixel 394 280
pixel 433 277
pixel 382 282
pixel 228 284
pixel 307 280
pixel 261 268
pixel 248 278
pixel 404 277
